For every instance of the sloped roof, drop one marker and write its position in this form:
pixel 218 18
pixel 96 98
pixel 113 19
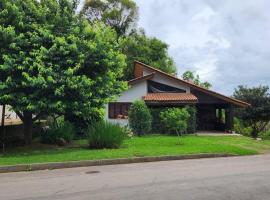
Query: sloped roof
pixel 138 72
pixel 170 97
pixel 141 78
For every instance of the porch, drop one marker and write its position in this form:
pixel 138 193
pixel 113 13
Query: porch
pixel 215 116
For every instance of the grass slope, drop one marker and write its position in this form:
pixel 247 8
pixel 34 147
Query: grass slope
pixel 137 147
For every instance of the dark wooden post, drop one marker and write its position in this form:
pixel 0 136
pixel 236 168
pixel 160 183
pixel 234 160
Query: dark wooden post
pixel 219 115
pixel 229 118
pixel 3 127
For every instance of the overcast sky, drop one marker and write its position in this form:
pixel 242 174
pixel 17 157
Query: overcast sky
pixel 227 42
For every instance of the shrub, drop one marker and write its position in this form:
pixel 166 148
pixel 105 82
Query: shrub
pixel 157 126
pixel 58 132
pixel 265 135
pixel 105 135
pixel 241 129
pixel 175 120
pixel 192 121
pixel 140 118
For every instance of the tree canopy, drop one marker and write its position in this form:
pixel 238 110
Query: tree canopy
pixel 195 78
pixel 258 114
pixel 54 61
pixel 151 51
pixel 119 14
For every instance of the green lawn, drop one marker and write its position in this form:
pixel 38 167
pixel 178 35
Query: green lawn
pixel 136 147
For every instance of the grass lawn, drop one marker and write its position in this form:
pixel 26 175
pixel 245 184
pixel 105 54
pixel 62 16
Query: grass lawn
pixel 155 145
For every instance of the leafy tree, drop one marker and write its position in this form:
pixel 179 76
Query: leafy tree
pixel 175 120
pixel 140 118
pixel 151 51
pixel 119 14
pixel 257 115
pixel 53 61
pixel 190 76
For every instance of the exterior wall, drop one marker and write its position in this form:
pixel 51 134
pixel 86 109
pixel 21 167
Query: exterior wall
pixel 10 116
pixel 135 92
pixel 166 80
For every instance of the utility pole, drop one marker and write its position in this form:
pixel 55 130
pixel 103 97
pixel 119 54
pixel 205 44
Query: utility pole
pixel 3 127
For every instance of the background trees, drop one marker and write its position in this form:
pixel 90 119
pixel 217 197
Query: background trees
pixel 121 15
pixel 257 115
pixel 151 51
pixel 195 78
pixel 54 61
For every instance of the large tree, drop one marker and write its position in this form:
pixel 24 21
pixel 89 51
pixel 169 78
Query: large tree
pixel 195 78
pixel 151 51
pixel 257 115
pixel 119 14
pixel 54 61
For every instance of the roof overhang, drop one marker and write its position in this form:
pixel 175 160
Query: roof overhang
pixel 140 79
pixel 138 72
pixel 170 98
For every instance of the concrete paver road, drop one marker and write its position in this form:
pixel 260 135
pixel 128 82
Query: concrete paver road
pixel 236 178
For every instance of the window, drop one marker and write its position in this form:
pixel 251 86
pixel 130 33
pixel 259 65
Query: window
pixel 118 110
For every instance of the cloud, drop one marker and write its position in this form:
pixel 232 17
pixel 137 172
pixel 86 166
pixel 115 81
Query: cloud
pixel 226 42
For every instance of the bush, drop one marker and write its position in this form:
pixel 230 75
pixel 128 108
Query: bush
pixel 241 129
pixel 192 121
pixel 58 132
pixel 157 126
pixel 105 135
pixel 140 118
pixel 175 120
pixel 265 135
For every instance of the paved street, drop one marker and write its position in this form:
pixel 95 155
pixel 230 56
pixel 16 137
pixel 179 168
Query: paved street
pixel 236 178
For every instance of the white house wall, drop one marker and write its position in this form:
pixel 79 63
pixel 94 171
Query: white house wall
pixel 135 92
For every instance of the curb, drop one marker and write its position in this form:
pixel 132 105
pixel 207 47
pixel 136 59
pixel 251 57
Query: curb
pixel 88 163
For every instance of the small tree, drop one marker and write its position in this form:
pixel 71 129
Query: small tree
pixel 175 120
pixel 257 115
pixel 140 118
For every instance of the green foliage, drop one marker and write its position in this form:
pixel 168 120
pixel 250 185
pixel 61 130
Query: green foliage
pixel 157 126
pixel 192 120
pixel 140 118
pixel 151 51
pixel 190 76
pixel 240 128
pixel 53 61
pixel 265 135
pixel 257 115
pixel 175 120
pixel 119 14
pixel 105 135
pixel 56 131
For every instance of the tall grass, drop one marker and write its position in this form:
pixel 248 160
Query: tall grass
pixel 105 135
pixel 56 131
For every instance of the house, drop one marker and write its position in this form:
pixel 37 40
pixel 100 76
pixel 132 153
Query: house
pixel 159 89
pixel 10 117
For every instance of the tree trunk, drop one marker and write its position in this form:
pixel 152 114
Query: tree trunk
pixel 27 128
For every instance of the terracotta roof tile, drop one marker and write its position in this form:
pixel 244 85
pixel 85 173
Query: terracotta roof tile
pixel 170 97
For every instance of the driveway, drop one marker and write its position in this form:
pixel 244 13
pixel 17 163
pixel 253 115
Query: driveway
pixel 235 178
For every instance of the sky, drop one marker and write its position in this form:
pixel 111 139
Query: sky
pixel 226 42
